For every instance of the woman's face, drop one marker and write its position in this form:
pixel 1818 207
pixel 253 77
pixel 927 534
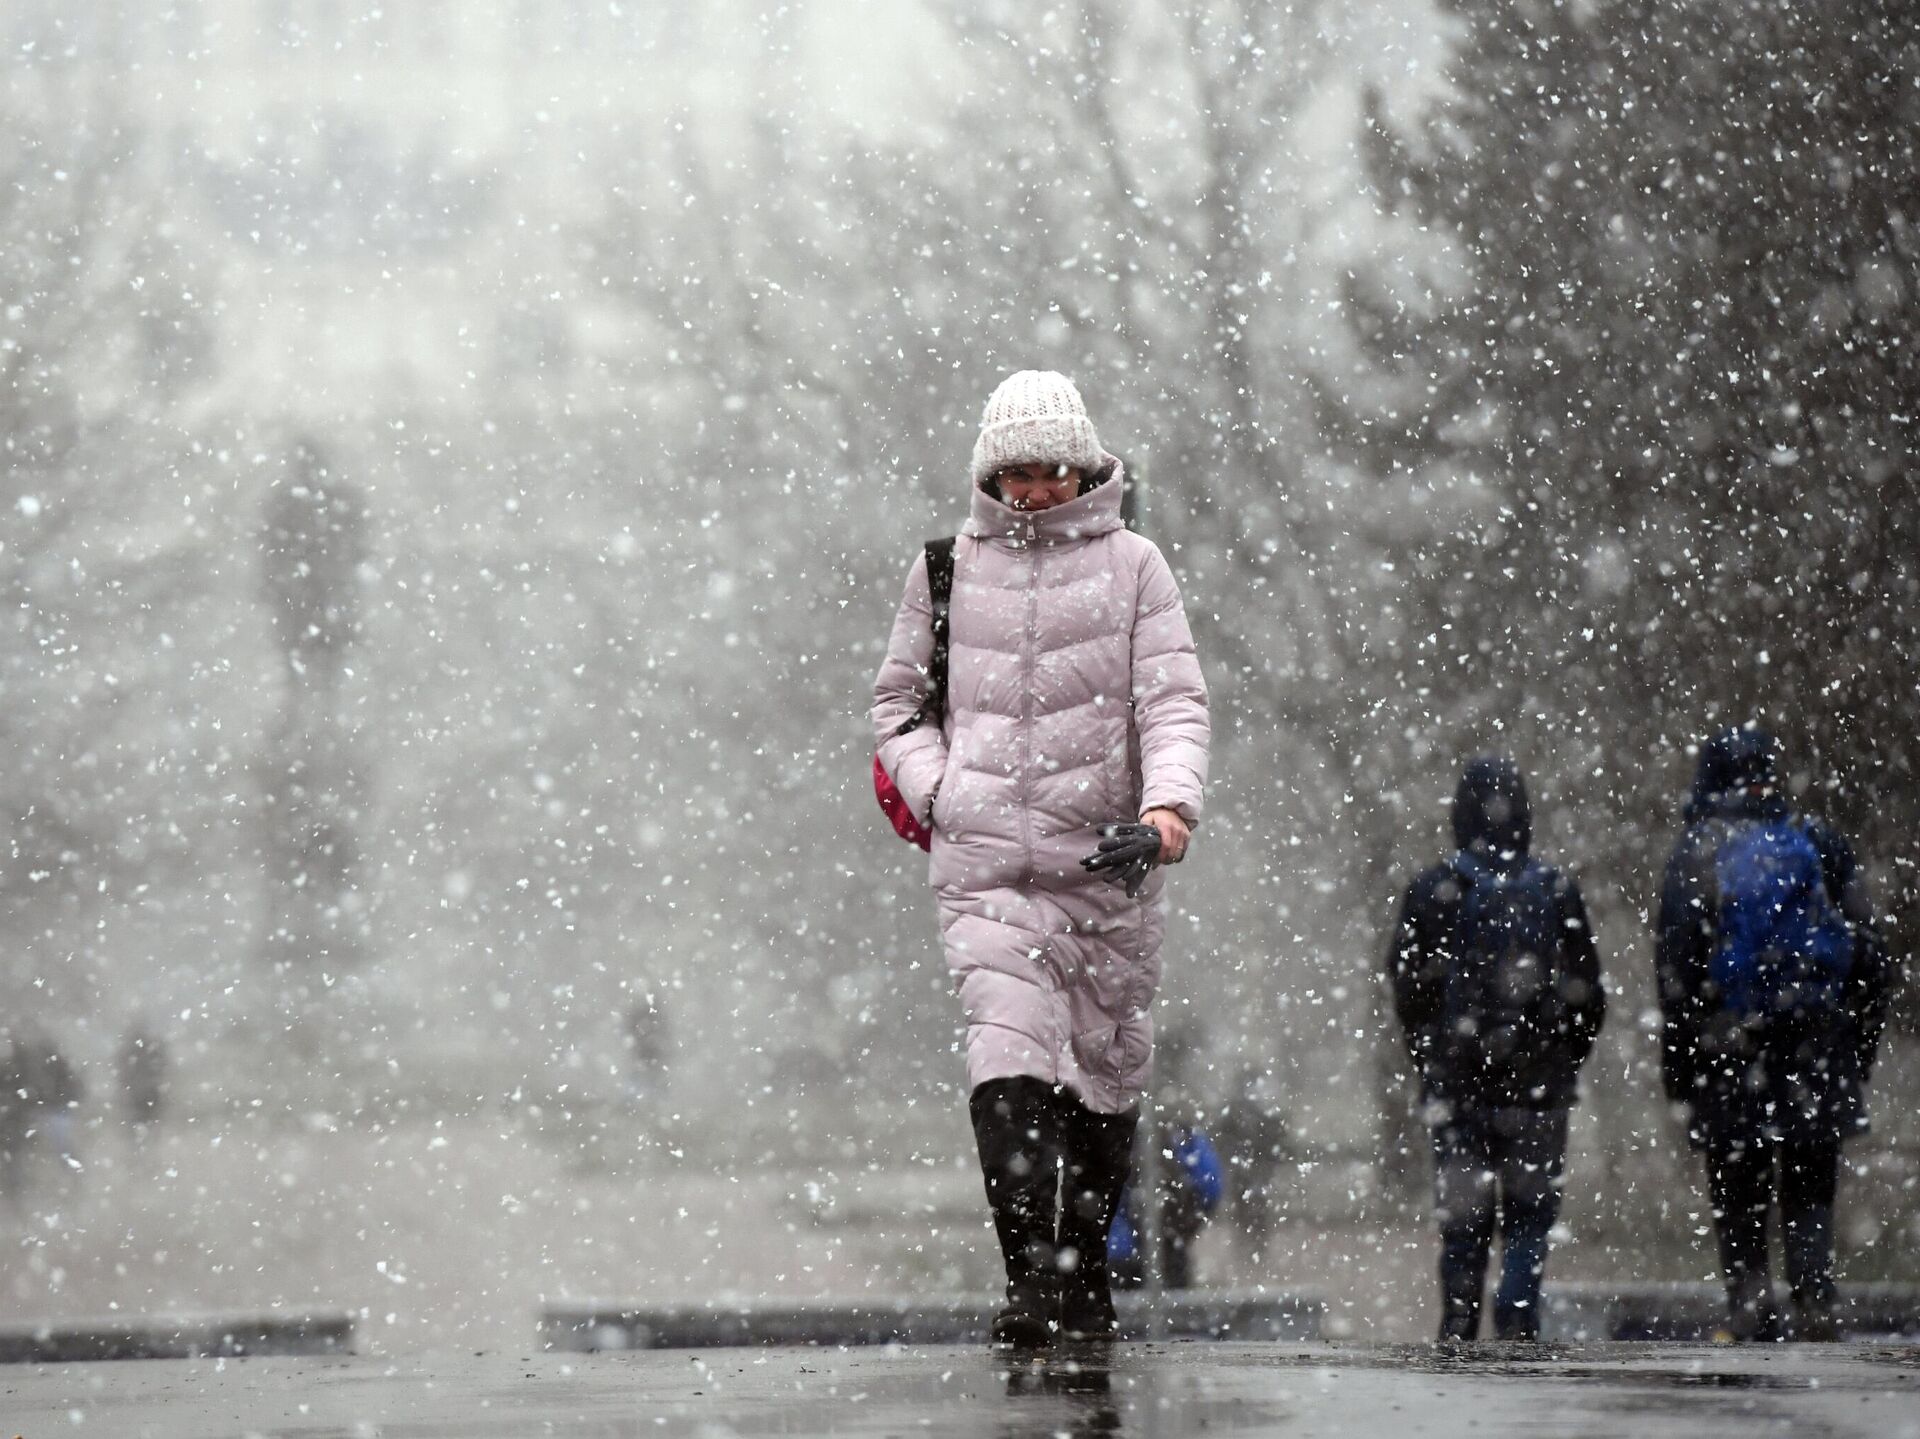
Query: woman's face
pixel 1037 487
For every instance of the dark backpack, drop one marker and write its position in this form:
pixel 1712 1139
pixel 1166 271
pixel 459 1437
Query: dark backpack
pixel 1502 1009
pixel 933 708
pixel 1782 945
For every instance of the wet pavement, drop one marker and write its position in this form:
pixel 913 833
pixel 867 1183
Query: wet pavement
pixel 1144 1390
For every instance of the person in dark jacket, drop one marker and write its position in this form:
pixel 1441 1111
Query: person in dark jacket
pixel 143 1061
pixel 1771 1087
pixel 1496 981
pixel 14 1123
pixel 1256 1140
pixel 52 1090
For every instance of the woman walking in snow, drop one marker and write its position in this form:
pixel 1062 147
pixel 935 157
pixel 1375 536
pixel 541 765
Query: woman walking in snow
pixel 1074 706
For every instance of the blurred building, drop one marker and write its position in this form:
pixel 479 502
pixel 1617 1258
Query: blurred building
pixel 389 192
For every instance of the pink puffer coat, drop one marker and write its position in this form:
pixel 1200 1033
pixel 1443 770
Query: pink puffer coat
pixel 1074 699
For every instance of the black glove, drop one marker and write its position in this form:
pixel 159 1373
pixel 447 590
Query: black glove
pixel 1126 853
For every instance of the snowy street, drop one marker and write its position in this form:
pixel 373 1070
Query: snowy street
pixel 455 1235
pixel 1136 1390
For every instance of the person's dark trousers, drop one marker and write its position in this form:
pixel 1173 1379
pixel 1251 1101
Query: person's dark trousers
pixel 1809 1181
pixel 1096 1152
pixel 1016 1124
pixel 1176 1257
pixel 1741 1178
pixel 1496 1168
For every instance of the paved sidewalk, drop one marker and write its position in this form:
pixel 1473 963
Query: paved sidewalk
pixel 1156 1390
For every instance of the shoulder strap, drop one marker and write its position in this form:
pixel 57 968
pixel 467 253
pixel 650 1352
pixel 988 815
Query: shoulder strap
pixel 1470 875
pixel 1710 837
pixel 940 587
pixel 940 594
pixel 1468 869
pixel 1549 884
pixel 1832 875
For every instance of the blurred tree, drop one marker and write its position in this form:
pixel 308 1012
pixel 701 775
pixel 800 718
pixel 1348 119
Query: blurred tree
pixel 101 336
pixel 313 544
pixel 1663 340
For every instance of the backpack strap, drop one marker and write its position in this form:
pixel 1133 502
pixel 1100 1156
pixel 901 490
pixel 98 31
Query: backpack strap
pixel 1820 837
pixel 933 708
pixel 940 588
pixel 1470 871
pixel 1719 832
pixel 1459 865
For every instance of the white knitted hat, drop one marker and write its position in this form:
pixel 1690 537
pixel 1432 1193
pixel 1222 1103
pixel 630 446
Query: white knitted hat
pixel 1036 417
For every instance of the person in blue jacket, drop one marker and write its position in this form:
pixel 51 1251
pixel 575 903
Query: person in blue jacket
pixel 1773 991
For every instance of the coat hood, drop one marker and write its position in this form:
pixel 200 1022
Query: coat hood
pixel 1094 511
pixel 1737 776
pixel 1490 812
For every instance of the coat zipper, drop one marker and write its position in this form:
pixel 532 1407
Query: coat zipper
pixel 1026 693
pixel 1062 1038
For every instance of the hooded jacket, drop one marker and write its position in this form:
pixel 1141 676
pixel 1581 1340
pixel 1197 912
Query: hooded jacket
pixel 1493 828
pixel 1805 1078
pixel 1074 699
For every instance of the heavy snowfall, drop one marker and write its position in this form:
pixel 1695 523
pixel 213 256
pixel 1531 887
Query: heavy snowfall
pixel 460 466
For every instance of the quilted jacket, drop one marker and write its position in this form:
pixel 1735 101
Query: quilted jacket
pixel 1074 699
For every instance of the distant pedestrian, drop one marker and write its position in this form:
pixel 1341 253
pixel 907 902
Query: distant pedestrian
pixel 645 1041
pixel 52 1090
pixel 143 1078
pixel 14 1123
pixel 1192 1184
pixel 1066 747
pixel 1255 1140
pixel 1773 990
pixel 1496 980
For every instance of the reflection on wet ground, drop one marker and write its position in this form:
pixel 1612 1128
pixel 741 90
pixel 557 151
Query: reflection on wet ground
pixel 1115 1390
pixel 1152 1391
pixel 1081 1396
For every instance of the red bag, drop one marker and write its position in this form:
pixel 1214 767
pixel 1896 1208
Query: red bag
pixel 933 708
pixel 898 810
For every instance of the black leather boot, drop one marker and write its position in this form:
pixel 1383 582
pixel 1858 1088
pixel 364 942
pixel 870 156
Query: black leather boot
pixel 1016 1127
pixel 1098 1154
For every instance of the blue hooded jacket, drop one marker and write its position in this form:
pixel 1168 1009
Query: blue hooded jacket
pixel 1811 1073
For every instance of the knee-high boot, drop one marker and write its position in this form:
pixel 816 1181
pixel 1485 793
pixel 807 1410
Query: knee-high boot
pixel 1097 1156
pixel 1016 1125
